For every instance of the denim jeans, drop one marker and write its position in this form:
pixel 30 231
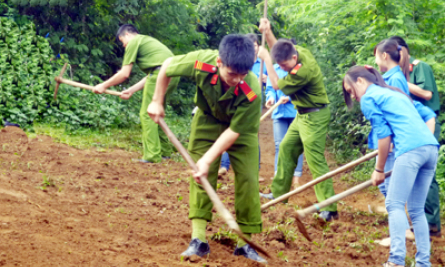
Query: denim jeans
pixel 280 127
pixel 410 181
pixel 389 165
pixel 225 161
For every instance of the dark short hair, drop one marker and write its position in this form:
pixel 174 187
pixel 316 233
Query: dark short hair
pixel 400 41
pixel 126 28
pixel 237 52
pixel 253 37
pixel 283 50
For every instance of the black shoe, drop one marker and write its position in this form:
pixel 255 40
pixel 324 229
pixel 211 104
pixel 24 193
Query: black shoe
pixel 268 196
pixel 197 247
pixel 435 233
pixel 328 215
pixel 248 252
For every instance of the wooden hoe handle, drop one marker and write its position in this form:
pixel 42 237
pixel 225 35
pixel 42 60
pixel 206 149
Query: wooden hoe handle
pixel 314 208
pixel 279 102
pixel 83 86
pixel 320 179
pixel 219 206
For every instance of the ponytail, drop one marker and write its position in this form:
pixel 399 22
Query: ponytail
pixel 368 73
pixel 404 61
pixel 396 52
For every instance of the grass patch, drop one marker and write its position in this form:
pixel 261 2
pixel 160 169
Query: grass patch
pixel 128 139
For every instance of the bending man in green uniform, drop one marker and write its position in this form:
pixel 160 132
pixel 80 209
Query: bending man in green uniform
pixel 229 99
pixel 422 87
pixel 149 54
pixel 307 133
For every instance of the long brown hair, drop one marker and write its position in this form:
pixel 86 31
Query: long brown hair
pixel 396 52
pixel 368 73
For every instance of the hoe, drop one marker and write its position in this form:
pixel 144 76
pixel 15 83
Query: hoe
pixel 60 80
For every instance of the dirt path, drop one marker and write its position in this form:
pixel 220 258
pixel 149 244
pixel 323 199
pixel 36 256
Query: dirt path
pixel 60 206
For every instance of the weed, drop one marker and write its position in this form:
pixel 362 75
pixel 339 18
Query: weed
pixel 282 256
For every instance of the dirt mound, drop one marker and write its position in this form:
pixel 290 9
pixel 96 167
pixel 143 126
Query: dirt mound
pixel 13 140
pixel 69 207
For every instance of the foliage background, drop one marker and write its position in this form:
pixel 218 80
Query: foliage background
pixel 340 34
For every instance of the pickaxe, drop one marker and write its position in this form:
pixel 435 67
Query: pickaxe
pixel 60 80
pixel 219 206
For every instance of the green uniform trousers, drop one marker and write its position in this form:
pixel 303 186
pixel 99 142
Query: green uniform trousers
pixel 306 133
pixel 243 156
pixel 432 204
pixel 155 143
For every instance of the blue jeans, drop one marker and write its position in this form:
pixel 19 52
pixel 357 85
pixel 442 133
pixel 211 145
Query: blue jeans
pixel 280 127
pixel 389 165
pixel 225 160
pixel 410 181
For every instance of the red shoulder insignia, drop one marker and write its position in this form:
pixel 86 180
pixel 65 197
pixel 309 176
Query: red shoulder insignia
pixel 247 91
pixel 410 67
pixel 214 79
pixel 295 69
pixel 205 67
pixel 236 90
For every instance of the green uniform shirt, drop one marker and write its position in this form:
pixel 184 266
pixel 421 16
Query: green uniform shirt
pixel 146 52
pixel 305 88
pixel 227 107
pixel 422 76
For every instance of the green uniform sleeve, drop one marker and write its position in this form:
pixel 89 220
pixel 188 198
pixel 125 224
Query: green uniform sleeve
pixel 183 65
pixel 421 70
pixel 131 52
pixel 293 82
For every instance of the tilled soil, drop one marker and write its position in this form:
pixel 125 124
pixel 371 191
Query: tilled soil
pixel 60 206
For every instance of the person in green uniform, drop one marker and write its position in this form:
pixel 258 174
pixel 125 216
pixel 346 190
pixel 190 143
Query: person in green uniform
pixel 304 85
pixel 229 98
pixel 149 54
pixel 422 87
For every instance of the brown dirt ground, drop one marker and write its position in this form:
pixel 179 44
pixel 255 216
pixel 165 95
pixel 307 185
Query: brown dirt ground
pixel 103 209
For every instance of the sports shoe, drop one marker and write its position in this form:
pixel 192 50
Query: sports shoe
pixel 248 252
pixel 197 247
pixel 328 215
pixel 390 264
pixel 222 171
pixel 268 196
pixel 144 161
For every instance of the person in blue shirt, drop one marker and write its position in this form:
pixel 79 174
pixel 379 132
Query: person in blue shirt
pixel 282 117
pixel 392 59
pixel 225 161
pixel 394 117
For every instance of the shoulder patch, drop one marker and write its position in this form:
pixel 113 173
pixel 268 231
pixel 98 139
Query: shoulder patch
pixel 214 79
pixel 205 67
pixel 415 62
pixel 247 91
pixel 295 69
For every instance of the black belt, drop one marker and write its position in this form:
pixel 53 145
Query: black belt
pixel 309 110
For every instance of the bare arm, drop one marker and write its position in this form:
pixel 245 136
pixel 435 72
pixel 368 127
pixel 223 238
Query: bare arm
pixel 419 92
pixel 156 107
pixel 224 141
pixel 126 94
pixel 273 76
pixel 268 34
pixel 431 124
pixel 116 79
pixel 383 148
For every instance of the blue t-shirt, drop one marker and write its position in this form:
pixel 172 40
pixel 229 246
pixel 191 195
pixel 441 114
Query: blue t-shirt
pixel 256 68
pixel 395 77
pixel 284 110
pixel 393 114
